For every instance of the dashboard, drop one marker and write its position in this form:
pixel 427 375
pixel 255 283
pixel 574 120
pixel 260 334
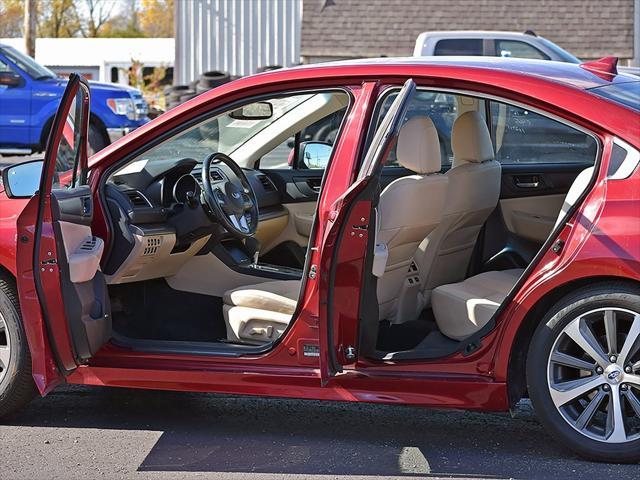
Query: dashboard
pixel 157 216
pixel 170 184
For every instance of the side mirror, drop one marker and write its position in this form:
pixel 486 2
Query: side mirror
pixel 314 155
pixel 10 80
pixel 253 111
pixel 22 180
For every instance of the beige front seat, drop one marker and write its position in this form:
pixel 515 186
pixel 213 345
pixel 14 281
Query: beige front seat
pixel 409 209
pixel 474 189
pixel 260 313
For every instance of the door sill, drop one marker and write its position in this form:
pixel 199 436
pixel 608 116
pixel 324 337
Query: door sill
pixel 172 347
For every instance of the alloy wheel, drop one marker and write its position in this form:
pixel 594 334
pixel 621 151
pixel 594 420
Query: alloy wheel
pixel 594 374
pixel 5 348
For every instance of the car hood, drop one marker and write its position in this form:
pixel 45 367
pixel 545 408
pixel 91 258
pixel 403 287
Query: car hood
pixel 95 86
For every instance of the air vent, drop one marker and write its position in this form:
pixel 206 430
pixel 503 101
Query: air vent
pixel 216 175
pixel 267 184
pixel 89 244
pixel 152 245
pixel 137 199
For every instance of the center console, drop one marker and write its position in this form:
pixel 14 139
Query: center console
pixel 236 255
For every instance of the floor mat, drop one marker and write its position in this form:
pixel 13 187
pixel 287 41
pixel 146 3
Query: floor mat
pixel 404 336
pixel 152 310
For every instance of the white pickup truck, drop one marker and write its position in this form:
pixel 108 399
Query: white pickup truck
pixel 495 44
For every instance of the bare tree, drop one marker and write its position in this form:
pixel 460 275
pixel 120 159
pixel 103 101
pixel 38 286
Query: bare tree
pixel 99 12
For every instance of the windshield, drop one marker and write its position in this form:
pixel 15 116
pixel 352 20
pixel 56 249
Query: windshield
pixel 28 64
pixel 561 52
pixel 626 93
pixel 222 133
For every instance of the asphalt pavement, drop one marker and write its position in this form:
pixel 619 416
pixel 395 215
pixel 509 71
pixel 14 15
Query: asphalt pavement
pixel 6 160
pixel 90 433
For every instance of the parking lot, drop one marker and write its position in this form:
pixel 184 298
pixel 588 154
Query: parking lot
pixel 80 432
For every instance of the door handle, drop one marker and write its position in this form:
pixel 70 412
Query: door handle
pixel 314 184
pixel 527 181
pixel 528 184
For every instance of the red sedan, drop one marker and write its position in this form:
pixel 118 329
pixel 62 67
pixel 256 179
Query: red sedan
pixel 447 233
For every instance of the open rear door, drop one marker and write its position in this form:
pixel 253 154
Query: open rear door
pixel 63 295
pixel 344 264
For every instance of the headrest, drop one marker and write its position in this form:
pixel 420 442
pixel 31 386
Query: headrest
pixel 418 147
pixel 470 139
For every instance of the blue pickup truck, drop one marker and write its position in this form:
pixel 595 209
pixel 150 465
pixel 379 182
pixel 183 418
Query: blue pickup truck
pixel 29 97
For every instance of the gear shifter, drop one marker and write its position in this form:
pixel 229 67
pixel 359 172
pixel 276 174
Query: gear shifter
pixel 252 245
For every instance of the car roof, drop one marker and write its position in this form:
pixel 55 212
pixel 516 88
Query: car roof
pixel 475 33
pixel 569 74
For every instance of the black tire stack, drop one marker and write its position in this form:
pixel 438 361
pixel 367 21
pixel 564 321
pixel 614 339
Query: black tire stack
pixel 177 94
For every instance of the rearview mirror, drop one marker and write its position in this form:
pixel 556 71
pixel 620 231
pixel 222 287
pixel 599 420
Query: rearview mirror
pixel 10 79
pixel 315 155
pixel 253 111
pixel 22 180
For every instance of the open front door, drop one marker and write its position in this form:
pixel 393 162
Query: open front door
pixel 63 295
pixel 344 264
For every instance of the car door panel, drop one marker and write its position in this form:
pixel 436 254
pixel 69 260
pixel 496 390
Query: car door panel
pixel 61 286
pixel 531 196
pixel 296 185
pixel 532 218
pixel 84 291
pixel 299 189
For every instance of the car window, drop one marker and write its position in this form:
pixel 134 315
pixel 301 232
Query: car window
pixel 4 68
pixel 517 49
pixel 67 167
pixel 257 133
pixel 523 136
pixel 442 108
pixel 625 93
pixel 309 148
pixel 28 64
pixel 459 46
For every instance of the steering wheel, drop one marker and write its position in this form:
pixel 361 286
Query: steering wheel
pixel 229 203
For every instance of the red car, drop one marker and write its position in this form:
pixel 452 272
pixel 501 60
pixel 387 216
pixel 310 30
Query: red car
pixel 374 266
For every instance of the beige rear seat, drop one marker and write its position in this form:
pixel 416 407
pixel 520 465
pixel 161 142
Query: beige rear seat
pixel 463 308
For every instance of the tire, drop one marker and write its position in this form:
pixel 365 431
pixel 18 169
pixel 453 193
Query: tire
pixel 97 139
pixel 201 89
pixel 268 68
pixel 16 384
pixel 187 95
pixel 214 79
pixel 584 422
pixel 175 91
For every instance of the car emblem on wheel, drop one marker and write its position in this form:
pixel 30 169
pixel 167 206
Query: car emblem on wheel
pixel 613 375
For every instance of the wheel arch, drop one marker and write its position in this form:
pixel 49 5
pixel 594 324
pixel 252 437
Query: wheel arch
pixel 44 133
pixel 97 121
pixel 5 273
pixel 516 370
